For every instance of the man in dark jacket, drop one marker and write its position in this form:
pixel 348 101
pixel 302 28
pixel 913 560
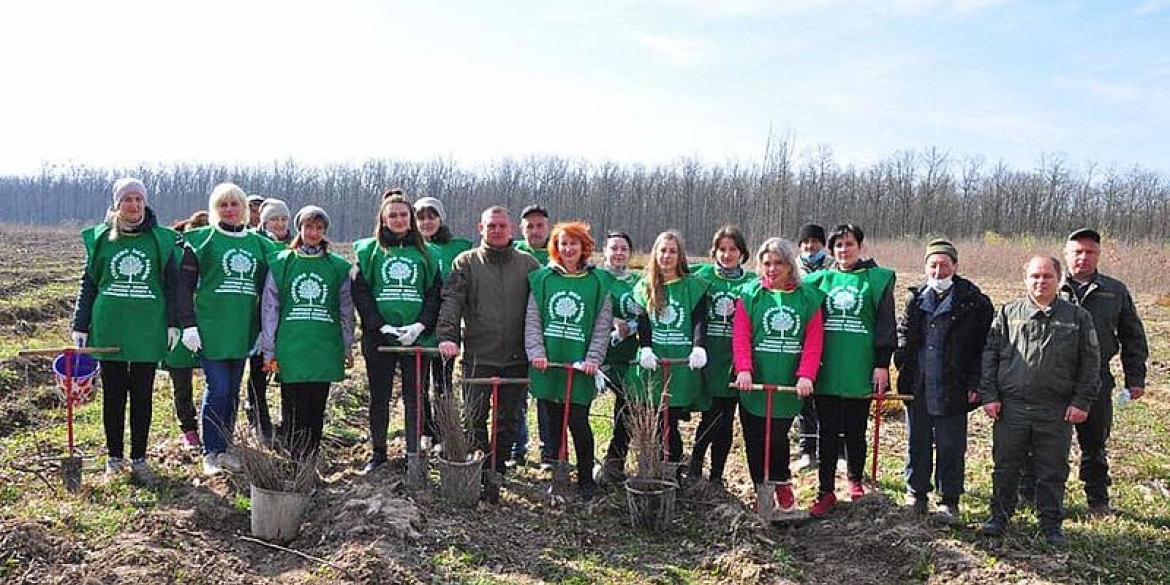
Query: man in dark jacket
pixel 1119 329
pixel 484 302
pixel 814 256
pixel 941 334
pixel 1040 377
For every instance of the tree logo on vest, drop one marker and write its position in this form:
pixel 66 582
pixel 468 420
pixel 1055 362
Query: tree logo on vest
pixel 844 303
pixel 130 268
pixel 239 268
pixel 720 315
pixel 400 280
pixel 629 305
pixel 309 294
pixel 781 326
pixel 568 309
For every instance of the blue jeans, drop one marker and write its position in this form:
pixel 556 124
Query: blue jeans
pixel 220 401
pixel 520 448
pixel 937 444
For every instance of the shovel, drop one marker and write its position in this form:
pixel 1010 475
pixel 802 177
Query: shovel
pixel 765 492
pixel 877 429
pixel 71 462
pixel 492 480
pixel 416 461
pixel 670 468
pixel 560 472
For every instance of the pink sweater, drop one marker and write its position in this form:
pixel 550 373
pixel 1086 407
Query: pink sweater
pixel 810 353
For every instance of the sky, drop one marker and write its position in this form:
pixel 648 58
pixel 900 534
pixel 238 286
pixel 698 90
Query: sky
pixel 118 83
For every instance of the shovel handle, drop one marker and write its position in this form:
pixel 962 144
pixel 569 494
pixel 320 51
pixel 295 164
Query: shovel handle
pixel 767 387
pixel 565 366
pixel 901 397
pixel 490 381
pixel 411 349
pixel 74 349
pixel 673 361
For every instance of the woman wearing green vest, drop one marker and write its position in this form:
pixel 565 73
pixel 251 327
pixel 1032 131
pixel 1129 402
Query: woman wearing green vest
pixel 725 276
pixel 860 338
pixel 126 300
pixel 397 290
pixel 181 362
pixel 567 322
pixel 274 225
pixel 673 325
pixel 623 349
pixel 220 281
pixel 437 372
pixel 777 337
pixel 306 329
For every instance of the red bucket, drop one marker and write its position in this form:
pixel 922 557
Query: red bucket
pixel 83 371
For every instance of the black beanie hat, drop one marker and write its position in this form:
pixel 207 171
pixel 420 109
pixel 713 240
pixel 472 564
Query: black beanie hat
pixel 811 231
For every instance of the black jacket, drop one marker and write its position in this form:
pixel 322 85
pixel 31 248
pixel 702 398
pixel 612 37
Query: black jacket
pixel 1118 328
pixel 971 317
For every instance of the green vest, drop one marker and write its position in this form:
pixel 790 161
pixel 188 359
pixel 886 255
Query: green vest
pixel 227 302
pixel 309 342
pixel 779 320
pixel 541 255
pixel 130 311
pixel 626 308
pixel 398 278
pixel 672 337
pixel 568 309
pixel 720 312
pixel 851 301
pixel 447 251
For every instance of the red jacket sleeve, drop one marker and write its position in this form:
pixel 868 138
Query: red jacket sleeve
pixel 814 344
pixel 741 339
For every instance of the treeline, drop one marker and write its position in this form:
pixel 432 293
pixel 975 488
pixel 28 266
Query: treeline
pixel 909 194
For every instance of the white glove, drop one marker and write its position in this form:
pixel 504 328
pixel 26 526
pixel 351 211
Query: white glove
pixel 173 334
pixel 191 339
pixel 409 334
pixel 697 359
pixel 647 359
pixel 79 338
pixel 390 330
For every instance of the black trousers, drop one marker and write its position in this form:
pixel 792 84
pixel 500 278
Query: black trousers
pixel 1092 436
pixel 182 380
pixel 715 430
pixel 302 414
pixel 256 402
pixel 477 402
pixel 1048 443
pixel 754 428
pixel 674 443
pixel 582 435
pixel 380 370
pixel 122 381
pixel 808 428
pixel 841 415
pixel 619 445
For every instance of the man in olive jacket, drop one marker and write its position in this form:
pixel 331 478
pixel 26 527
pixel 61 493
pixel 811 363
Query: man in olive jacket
pixel 1119 330
pixel 1040 377
pixel 484 303
pixel 941 334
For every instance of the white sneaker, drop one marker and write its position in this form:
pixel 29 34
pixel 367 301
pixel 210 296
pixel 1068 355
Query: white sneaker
pixel 425 443
pixel 230 462
pixel 211 465
pixel 141 473
pixel 115 466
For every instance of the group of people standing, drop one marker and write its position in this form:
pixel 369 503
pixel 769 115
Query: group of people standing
pixel 811 334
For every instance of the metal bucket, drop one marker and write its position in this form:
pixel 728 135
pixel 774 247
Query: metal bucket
pixel 651 503
pixel 277 516
pixel 460 482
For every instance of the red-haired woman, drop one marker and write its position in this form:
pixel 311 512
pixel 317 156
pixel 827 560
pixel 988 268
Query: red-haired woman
pixel 568 321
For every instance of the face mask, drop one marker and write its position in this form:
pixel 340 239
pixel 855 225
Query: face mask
pixel 940 285
pixel 814 257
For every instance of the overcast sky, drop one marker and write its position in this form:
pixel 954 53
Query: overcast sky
pixel 119 82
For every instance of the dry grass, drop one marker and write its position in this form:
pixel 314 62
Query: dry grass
pixel 642 419
pixel 449 419
pixel 275 467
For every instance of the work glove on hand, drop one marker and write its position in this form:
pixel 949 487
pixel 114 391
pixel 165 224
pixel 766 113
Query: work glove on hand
pixel 390 331
pixel 697 359
pixel 191 339
pixel 647 359
pixel 173 334
pixel 79 338
pixel 409 334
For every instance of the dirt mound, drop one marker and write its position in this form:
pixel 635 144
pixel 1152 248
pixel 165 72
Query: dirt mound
pixel 34 552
